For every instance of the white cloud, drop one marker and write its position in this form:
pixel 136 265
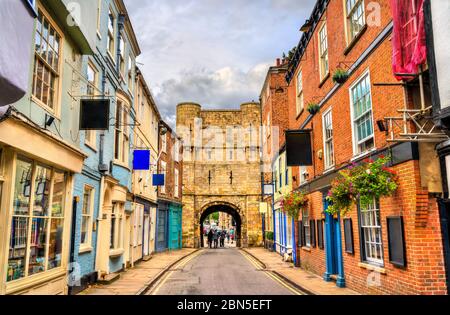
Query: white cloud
pixel 213 52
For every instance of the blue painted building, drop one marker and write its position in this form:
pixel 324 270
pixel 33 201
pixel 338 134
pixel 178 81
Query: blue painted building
pixel 101 233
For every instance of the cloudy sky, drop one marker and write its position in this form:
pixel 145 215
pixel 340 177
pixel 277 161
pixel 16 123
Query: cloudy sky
pixel 213 52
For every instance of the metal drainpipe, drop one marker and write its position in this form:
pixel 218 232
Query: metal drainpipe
pixel 72 238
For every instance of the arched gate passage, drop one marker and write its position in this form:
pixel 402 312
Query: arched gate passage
pixel 226 209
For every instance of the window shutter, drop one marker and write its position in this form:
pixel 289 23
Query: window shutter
pixel 320 234
pixel 312 224
pixel 396 238
pixel 348 231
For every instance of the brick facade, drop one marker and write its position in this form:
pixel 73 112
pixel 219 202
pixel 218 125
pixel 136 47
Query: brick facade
pixel 419 176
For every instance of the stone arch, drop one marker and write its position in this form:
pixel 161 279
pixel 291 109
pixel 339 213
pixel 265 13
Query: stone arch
pixel 230 208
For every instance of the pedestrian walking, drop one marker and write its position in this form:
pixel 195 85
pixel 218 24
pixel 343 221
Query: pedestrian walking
pixel 216 239
pixel 222 239
pixel 210 238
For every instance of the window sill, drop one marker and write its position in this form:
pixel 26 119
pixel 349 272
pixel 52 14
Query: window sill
pixel 363 155
pixel 85 249
pixel 306 249
pixel 49 110
pixel 114 253
pixel 372 268
pixel 355 40
pixel 325 79
pixel 329 170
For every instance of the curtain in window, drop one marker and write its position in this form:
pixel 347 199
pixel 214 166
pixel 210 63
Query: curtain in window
pixel 409 39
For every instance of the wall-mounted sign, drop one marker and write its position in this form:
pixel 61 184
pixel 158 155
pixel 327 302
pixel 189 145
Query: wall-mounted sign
pixel 263 207
pixel 141 160
pixel 94 114
pixel 158 179
pixel 298 148
pixel 268 189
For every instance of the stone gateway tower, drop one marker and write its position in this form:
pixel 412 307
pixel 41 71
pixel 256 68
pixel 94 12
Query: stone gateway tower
pixel 222 170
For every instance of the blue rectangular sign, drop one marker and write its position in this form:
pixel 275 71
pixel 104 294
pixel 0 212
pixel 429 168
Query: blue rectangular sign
pixel 141 160
pixel 158 179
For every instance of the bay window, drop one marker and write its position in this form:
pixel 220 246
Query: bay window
pixel 87 213
pixel 361 101
pixel 122 136
pixel 116 236
pixel 37 223
pixel 371 237
pixel 323 52
pixel 46 71
pixel 355 17
pixel 328 139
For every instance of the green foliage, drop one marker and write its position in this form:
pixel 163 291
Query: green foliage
pixel 269 236
pixel 371 180
pixel 293 203
pixel 340 76
pixel 313 108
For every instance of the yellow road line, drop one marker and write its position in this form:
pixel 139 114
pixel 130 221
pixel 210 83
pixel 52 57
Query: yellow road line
pixel 181 264
pixel 258 266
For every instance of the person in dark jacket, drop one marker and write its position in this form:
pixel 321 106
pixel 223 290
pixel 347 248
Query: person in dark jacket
pixel 216 239
pixel 222 238
pixel 210 238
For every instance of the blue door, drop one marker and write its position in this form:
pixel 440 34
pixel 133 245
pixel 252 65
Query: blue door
pixel 333 248
pixel 161 230
pixel 175 228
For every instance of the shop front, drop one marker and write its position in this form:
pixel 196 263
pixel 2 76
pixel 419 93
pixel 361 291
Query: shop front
pixel 36 182
pixel 162 227
pixel 175 224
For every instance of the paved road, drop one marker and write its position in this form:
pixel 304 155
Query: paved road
pixel 219 272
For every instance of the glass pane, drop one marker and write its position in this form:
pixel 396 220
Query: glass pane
pixel 37 246
pixel 84 229
pixel 22 188
pixel 42 185
pixel 17 249
pixel 56 243
pixel 59 185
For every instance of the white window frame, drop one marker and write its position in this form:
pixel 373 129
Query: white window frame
pixel 350 14
pixel 122 130
pixel 300 101
pixel 118 215
pixel 371 234
pixel 356 144
pixel 99 13
pixel 176 154
pixel 55 73
pixel 306 227
pixel 177 183
pixel 164 143
pixel 111 42
pixel 324 61
pixel 329 157
pixel 164 172
pixel 90 214
pixel 122 62
pixel 27 229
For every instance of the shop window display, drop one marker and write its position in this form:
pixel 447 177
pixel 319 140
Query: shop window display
pixel 37 222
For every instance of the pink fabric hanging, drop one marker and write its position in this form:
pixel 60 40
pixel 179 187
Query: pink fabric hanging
pixel 409 39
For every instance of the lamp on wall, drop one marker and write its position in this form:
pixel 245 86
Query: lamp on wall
pixel 49 120
pixel 306 27
pixel 382 126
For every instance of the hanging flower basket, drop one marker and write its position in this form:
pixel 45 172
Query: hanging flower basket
pixel 293 203
pixel 340 76
pixel 313 108
pixel 371 180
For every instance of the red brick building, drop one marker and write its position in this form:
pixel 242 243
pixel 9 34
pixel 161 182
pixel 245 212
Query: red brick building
pixel 275 120
pixel 169 214
pixel 359 119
